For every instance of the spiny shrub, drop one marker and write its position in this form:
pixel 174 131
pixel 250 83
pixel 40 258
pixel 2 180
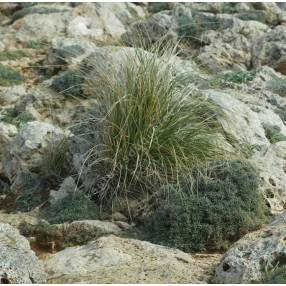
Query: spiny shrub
pixel 75 206
pixel 212 213
pixel 69 83
pixel 273 134
pixel 149 127
pixel 276 276
pixel 9 76
pixel 239 76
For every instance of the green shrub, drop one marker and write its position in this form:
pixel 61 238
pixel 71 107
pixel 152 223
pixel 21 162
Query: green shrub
pixel 281 111
pixel 272 132
pixel 148 127
pixel 254 15
pixel 75 206
pixel 277 85
pixel 16 117
pixel 36 44
pixel 157 7
pixel 56 162
pixel 69 83
pixel 239 76
pixel 32 193
pixel 9 76
pixel 276 276
pixel 211 214
pixel 12 55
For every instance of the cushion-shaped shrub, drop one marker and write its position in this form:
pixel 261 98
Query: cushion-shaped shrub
pixel 75 206
pixel 211 213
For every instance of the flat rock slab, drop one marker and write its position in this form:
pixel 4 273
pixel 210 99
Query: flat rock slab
pixel 111 259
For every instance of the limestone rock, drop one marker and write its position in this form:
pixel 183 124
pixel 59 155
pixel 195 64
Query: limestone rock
pixel 271 165
pixel 26 149
pixel 269 49
pixel 41 27
pixel 16 219
pixel 67 186
pixel 230 46
pixel 239 120
pixel 116 260
pixel 10 95
pixel 18 262
pixel 247 259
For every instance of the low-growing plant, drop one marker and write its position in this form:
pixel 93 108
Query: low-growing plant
pixel 32 193
pixel 8 55
pixel 16 117
pixel 239 76
pixel 9 76
pixel 192 25
pixel 212 212
pixel 149 127
pixel 56 163
pixel 275 276
pixel 75 206
pixel 36 44
pixel 273 133
pixel 69 83
pixel 277 85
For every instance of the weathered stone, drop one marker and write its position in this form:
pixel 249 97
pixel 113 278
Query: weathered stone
pixel 18 262
pixel 269 49
pixel 27 147
pixel 230 48
pixel 68 186
pixel 271 165
pixel 248 258
pixel 116 260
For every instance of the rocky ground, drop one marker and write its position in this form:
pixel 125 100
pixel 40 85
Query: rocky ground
pixel 236 55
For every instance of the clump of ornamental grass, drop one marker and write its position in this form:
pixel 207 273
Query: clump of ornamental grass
pixel 149 126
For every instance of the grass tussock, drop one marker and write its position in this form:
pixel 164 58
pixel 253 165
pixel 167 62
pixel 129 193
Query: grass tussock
pixel 149 127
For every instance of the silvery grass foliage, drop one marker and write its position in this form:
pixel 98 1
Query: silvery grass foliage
pixel 149 127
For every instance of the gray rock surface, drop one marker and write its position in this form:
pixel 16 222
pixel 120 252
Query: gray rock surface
pixel 18 262
pixel 248 258
pixel 112 259
pixel 26 149
pixel 269 49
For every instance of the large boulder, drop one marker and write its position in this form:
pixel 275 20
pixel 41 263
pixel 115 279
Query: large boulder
pixel 269 49
pixel 18 263
pixel 248 258
pixel 117 260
